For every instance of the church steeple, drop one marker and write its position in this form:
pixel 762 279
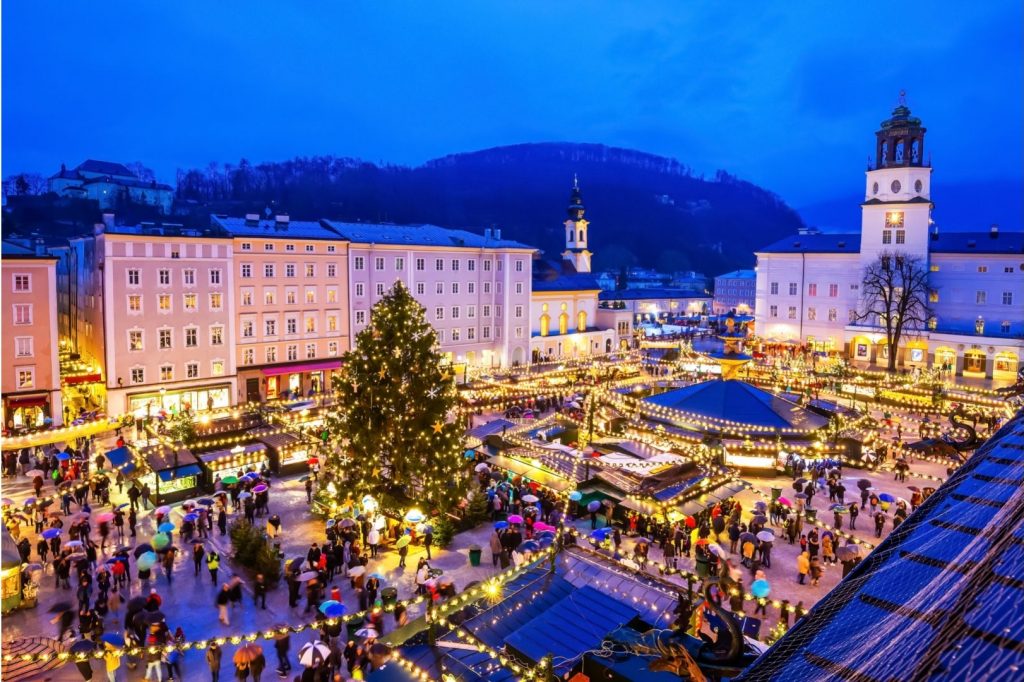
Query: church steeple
pixel 576 229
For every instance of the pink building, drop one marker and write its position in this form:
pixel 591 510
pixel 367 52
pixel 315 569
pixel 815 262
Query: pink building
pixel 31 373
pixel 475 288
pixel 291 304
pixel 165 297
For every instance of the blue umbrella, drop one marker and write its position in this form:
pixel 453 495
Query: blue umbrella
pixel 122 505
pixel 760 588
pixel 191 517
pixel 593 506
pixel 205 501
pixel 600 533
pixel 252 475
pixel 575 496
pixel 529 546
pixel 113 639
pixel 545 540
pixel 886 497
pixel 328 604
pixel 335 610
pixel 63 456
pixel 51 533
pixel 500 525
pixel 165 527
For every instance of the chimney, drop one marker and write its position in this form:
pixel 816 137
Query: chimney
pixel 281 218
pixel 487 233
pixel 40 247
pixel 497 233
pixel 994 230
pixel 97 228
pixel 252 218
pixel 108 220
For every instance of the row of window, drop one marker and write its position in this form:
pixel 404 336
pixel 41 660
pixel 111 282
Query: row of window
pixel 379 264
pixel 812 289
pixel 1007 269
pixel 981 297
pixel 165 337
pixel 164 302
pixel 291 295
pixel 291 353
pixel 270 246
pixel 138 374
pixel 901 236
pixel 163 277
pixel 291 325
pixel 812 313
pixel 290 270
pixel 439 288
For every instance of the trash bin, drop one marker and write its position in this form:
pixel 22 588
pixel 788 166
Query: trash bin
pixel 812 514
pixel 352 626
pixel 703 567
pixel 474 555
pixel 389 596
pixel 776 494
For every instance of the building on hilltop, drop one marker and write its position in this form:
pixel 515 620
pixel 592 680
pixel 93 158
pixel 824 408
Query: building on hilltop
pixel 735 292
pixel 109 184
pixel 809 285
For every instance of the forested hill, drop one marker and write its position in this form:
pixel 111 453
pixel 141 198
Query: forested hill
pixel 643 209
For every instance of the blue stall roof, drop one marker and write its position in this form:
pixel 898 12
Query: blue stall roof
pixel 180 472
pixel 941 598
pixel 738 401
pixel 121 459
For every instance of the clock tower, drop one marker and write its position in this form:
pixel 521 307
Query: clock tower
pixel 896 212
pixel 576 232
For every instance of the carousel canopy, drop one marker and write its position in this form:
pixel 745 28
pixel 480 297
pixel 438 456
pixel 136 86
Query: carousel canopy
pixel 943 597
pixel 738 401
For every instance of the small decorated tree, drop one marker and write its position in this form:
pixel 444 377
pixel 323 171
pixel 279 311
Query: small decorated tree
pixel 393 432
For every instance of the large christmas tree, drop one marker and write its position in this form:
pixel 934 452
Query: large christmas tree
pixel 395 394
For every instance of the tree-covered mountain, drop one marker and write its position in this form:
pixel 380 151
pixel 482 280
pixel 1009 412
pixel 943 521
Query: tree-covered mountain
pixel 644 209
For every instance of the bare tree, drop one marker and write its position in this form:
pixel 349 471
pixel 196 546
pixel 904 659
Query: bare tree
pixel 894 296
pixel 143 172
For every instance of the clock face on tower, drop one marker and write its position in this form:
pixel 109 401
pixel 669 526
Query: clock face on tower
pixel 896 186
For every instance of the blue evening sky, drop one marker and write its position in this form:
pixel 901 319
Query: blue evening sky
pixel 786 94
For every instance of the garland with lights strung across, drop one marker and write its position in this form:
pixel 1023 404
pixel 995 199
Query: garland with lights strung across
pixel 396 396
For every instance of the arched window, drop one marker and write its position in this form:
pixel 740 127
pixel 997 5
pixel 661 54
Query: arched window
pixel 915 151
pixel 885 154
pixel 899 152
pixel 570 238
pixel 545 324
pixel 582 237
pixel 563 323
pixel 581 321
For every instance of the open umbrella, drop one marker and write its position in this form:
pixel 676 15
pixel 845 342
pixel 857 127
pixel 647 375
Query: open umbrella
pixel 403 541
pixel 643 541
pixel 839 508
pixel 260 488
pixel 801 496
pixel 162 511
pixel 63 456
pixel 335 610
pixel 82 646
pixel 244 495
pixel 250 476
pixel 113 639
pixel 863 484
pixel 73 543
pixel 530 499
pixel 166 527
pixel 760 588
pixel 105 517
pixel 848 552
pixel 414 516
pixel 308 575
pixel 785 502
pixel 356 571
pixel 886 497
pixel 747 537
pixel 327 604
pixel 766 536
pixel 913 488
pixel 515 518
pixel 798 485
pixel 575 496
pixel 313 654
pixel 593 506
pixel 296 563
pixel 247 653
pixel 142 549
pixel 600 533
pixel 347 523
pixel 528 546
pixel 482 466
pixel 191 518
pixel 205 501
pixel 220 493
pixel 160 540
pixel 497 475
pixel 34 473
pixel 78 517
pixel 146 561
pixel 759 518
pixel 500 525
pixel 367 632
pixel 51 533
pixel 761 506
pixel 717 550
pixel 229 480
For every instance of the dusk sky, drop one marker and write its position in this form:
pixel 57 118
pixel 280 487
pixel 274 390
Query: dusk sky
pixel 784 94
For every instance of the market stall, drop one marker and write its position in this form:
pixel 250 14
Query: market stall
pixel 288 454
pixel 241 458
pixel 174 472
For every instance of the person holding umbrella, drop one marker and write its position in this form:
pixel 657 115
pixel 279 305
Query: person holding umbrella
pixel 282 643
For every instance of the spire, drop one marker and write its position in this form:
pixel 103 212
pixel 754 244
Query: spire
pixel 575 200
pixel 575 182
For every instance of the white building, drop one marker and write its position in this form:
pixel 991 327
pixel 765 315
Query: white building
pixel 109 184
pixel 808 285
pixel 563 302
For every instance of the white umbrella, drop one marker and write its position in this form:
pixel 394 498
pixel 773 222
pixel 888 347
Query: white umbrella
pixel 313 654
pixel 356 571
pixel 530 498
pixel 366 632
pixel 482 466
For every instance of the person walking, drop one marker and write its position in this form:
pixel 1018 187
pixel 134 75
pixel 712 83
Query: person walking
pixel 803 566
pixel 428 540
pixel 212 564
pixel 223 598
pixel 373 539
pixel 197 556
pixel 879 523
pixel 282 643
pixel 213 656
pixel 259 592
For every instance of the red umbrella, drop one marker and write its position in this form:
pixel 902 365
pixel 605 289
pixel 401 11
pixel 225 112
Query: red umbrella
pixel 690 522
